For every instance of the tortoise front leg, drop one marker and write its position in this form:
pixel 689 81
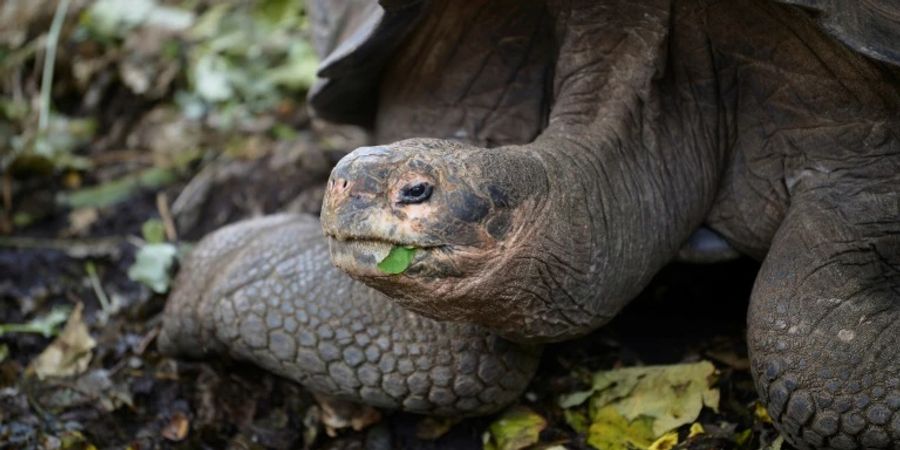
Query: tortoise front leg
pixel 824 320
pixel 264 291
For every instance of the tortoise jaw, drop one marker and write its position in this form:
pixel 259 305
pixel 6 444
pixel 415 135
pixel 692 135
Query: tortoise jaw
pixel 360 257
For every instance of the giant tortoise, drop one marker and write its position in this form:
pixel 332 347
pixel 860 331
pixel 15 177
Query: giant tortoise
pixel 541 160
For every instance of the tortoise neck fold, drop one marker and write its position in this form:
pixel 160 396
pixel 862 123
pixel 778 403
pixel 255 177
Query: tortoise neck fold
pixel 628 181
pixel 478 74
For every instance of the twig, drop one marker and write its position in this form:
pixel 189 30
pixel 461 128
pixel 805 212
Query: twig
pixel 147 340
pixel 6 212
pixel 18 57
pixel 98 288
pixel 162 205
pixel 50 61
pixel 75 248
pixel 7 192
pixel 120 156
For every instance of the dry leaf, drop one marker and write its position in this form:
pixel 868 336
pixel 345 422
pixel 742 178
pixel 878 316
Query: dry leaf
pixel 670 396
pixel 81 220
pixel 340 414
pixel 431 428
pixel 70 353
pixel 177 428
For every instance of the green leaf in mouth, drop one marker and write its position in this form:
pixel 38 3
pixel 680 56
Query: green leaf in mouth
pixel 398 260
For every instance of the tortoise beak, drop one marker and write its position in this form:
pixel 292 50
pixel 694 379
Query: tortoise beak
pixel 358 258
pixel 355 194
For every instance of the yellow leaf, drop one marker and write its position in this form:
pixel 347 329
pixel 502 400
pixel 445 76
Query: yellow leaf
pixel 667 441
pixel 696 430
pixel 670 395
pixel 612 431
pixel 71 440
pixel 761 413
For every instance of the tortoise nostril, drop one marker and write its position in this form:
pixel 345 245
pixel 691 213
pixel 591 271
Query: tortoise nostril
pixel 338 185
pixel 415 193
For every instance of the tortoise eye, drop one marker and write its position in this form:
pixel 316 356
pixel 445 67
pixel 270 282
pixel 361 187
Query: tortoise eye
pixel 415 193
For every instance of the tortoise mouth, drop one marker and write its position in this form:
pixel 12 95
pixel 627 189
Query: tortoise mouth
pixel 361 257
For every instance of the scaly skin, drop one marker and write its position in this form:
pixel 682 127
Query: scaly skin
pixel 661 117
pixel 824 321
pixel 777 137
pixel 262 290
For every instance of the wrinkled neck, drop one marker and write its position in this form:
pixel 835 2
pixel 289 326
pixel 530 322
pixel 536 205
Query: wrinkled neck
pixel 627 182
pixel 608 53
pixel 477 74
pixel 603 197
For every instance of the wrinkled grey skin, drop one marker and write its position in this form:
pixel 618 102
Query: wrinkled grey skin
pixel 566 174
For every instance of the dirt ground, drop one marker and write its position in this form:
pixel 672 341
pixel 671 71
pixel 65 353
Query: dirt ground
pixel 132 146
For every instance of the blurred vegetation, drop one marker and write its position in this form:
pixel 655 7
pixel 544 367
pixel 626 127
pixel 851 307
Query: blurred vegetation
pixel 110 110
pixel 155 83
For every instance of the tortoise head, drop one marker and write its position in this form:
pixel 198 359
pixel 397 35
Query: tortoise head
pixel 461 212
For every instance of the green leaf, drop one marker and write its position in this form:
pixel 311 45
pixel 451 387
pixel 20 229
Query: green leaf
pixel 743 437
pixel 299 69
pixel 46 325
pixel 22 219
pixel 154 231
pixel 207 26
pixel 517 428
pixel 115 191
pixel 274 12
pixel 284 132
pixel 151 266
pixel 577 419
pixel 247 58
pixel 42 151
pixel 114 18
pixel 398 260
pixel 212 76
